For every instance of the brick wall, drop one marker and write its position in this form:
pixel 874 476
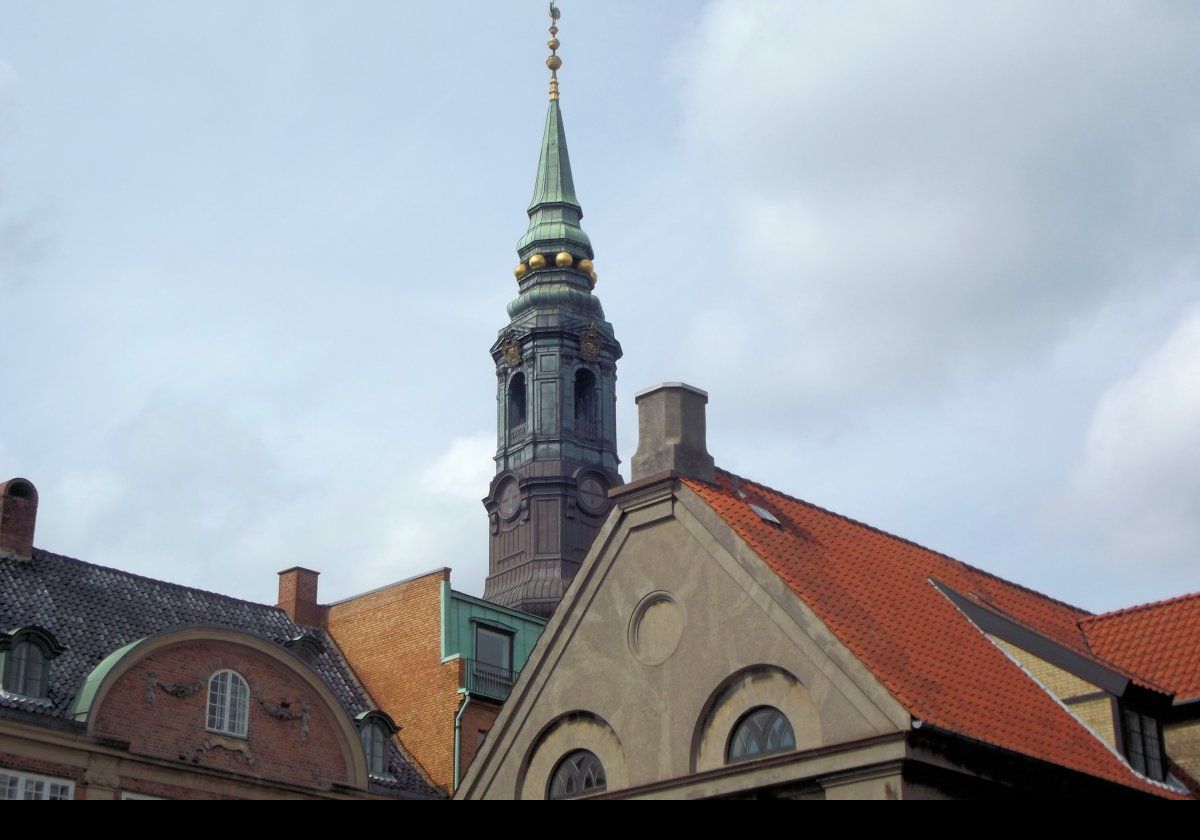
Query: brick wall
pixel 476 721
pixel 392 639
pixel 174 728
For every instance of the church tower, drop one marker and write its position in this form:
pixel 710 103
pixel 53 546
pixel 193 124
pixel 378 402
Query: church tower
pixel 556 373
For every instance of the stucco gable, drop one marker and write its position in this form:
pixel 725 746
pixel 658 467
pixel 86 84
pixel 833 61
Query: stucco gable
pixel 671 631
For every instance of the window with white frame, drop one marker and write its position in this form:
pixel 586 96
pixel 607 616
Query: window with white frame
pixel 228 703
pixel 15 785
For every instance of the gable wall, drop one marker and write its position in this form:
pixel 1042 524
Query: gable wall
pixel 665 649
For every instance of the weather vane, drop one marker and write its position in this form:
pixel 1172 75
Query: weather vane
pixel 553 62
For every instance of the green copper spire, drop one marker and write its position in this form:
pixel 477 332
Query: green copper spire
pixel 554 212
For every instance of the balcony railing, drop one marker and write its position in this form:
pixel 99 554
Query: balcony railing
pixel 585 429
pixel 487 680
pixel 516 434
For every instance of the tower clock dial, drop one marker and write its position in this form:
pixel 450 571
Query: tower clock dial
pixel 593 495
pixel 510 498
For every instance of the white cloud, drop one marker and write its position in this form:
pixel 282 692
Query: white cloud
pixel 918 194
pixel 1135 493
pixel 464 469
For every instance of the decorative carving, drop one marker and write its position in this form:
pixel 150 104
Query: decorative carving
pixel 282 711
pixel 177 690
pixel 590 343
pixel 510 350
pixel 232 744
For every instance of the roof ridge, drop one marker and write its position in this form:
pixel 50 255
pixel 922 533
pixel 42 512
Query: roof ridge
pixel 40 553
pixel 1098 617
pixel 906 541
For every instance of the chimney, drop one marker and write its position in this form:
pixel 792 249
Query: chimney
pixel 298 596
pixel 671 434
pixel 18 516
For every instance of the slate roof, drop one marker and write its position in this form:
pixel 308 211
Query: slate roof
pixel 92 611
pixel 876 593
pixel 1159 640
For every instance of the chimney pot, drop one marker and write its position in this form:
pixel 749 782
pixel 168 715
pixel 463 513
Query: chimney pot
pixel 671 433
pixel 18 517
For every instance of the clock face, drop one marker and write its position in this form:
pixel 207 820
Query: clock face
pixel 510 498
pixel 593 494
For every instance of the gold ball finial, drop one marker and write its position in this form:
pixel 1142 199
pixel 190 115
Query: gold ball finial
pixel 554 62
pixel 564 260
pixel 537 261
pixel 586 266
pixel 520 271
pixel 594 277
pixel 553 44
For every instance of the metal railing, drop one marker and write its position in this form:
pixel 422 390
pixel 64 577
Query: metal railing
pixel 516 434
pixel 487 680
pixel 586 429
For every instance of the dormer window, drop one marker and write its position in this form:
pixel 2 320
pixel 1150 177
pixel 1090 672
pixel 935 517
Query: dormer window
pixel 228 704
pixel 1142 735
pixel 375 731
pixel 26 654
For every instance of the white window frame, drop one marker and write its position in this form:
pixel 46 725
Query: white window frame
pixel 224 721
pixel 24 780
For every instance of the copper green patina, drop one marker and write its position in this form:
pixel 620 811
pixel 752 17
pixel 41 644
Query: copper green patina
pixel 554 212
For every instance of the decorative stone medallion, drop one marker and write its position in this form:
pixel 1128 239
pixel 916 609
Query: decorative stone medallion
pixel 656 628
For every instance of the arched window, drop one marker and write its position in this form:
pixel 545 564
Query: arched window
pixel 578 774
pixel 25 656
pixel 516 401
pixel 375 746
pixel 585 396
pixel 228 703
pixel 760 732
pixel 25 670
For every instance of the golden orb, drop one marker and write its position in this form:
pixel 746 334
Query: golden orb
pixel 595 278
pixel 563 260
pixel 553 44
pixel 537 261
pixel 586 266
pixel 520 271
pixel 554 62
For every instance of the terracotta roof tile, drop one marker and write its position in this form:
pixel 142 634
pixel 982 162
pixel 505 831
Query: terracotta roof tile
pixel 874 592
pixel 1156 640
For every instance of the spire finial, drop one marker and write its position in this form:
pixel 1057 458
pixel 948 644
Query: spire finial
pixel 553 62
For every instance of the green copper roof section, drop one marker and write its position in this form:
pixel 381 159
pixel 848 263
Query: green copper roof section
pixel 554 211
pixel 83 702
pixel 554 184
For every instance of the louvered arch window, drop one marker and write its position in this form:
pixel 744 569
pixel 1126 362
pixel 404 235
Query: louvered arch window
pixel 228 703
pixel 25 670
pixel 578 774
pixel 375 747
pixel 760 732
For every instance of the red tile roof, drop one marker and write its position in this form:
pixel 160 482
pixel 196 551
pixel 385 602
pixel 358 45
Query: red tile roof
pixel 874 592
pixel 1160 641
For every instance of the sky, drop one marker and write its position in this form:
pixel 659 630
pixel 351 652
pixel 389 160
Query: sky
pixel 937 265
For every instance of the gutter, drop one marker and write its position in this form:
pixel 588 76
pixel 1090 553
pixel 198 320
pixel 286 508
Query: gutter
pixel 458 739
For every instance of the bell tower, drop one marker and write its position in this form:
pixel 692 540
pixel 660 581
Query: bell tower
pixel 556 373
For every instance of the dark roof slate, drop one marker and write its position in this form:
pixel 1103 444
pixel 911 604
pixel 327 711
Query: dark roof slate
pixel 93 610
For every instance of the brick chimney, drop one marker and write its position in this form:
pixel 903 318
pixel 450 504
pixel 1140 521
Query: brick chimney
pixel 298 596
pixel 18 517
pixel 671 433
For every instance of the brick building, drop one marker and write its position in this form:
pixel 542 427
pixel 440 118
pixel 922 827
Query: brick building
pixel 440 660
pixel 116 686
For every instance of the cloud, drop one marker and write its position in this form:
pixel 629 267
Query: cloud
pixel 922 194
pixel 464 469
pixel 1135 493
